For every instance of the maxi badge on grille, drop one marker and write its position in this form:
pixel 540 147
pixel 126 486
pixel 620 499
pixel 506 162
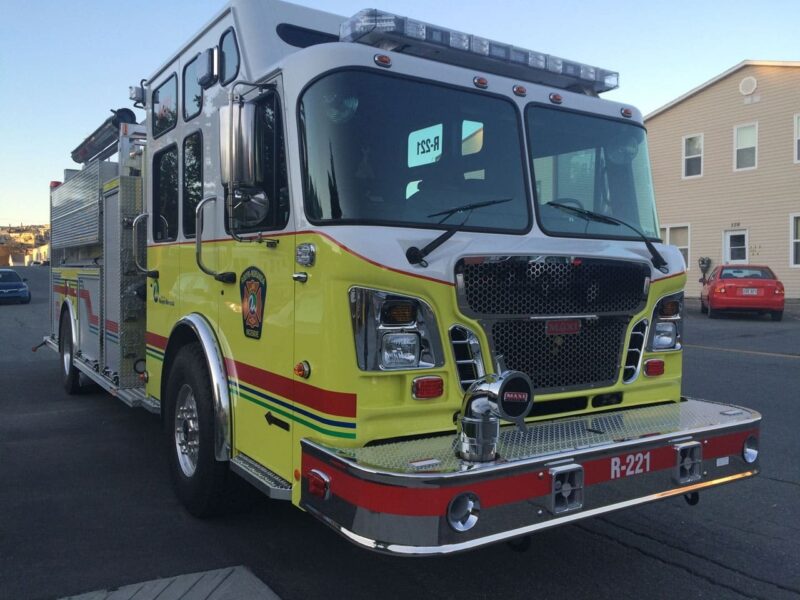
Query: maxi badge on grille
pixel 253 286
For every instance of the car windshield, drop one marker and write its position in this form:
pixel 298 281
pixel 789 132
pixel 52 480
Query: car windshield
pixel 384 150
pixel 593 163
pixel 9 277
pixel 746 273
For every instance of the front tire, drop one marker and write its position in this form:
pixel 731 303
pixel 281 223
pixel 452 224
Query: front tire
pixel 70 376
pixel 703 307
pixel 198 477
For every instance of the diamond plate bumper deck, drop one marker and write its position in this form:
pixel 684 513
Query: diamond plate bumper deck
pixel 394 497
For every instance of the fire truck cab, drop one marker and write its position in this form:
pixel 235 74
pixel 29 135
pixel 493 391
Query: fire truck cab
pixel 405 277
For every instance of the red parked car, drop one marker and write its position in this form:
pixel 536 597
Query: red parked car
pixel 742 288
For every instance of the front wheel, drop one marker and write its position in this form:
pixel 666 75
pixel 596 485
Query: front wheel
pixel 70 376
pixel 198 477
pixel 703 307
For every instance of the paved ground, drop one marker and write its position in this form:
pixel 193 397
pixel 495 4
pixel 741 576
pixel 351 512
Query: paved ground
pixel 85 500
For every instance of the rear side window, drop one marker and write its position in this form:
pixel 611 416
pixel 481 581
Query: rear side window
pixel 229 62
pixel 164 112
pixel 192 180
pixel 165 195
pixel 192 92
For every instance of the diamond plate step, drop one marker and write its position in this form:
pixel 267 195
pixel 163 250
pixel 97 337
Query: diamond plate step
pixel 272 484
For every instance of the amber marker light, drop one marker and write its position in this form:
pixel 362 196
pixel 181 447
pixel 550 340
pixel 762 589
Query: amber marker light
pixel 480 82
pixel 520 90
pixel 556 98
pixel 302 369
pixel 670 308
pixel 383 61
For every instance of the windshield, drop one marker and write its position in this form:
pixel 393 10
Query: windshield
pixel 384 150
pixel 9 277
pixel 592 163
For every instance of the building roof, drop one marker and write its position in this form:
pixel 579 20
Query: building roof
pixel 710 82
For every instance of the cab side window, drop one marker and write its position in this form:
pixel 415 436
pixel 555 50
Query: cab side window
pixel 192 179
pixel 164 111
pixel 165 195
pixel 265 206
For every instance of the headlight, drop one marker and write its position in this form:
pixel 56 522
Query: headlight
pixel 667 329
pixel 392 331
pixel 664 336
pixel 400 351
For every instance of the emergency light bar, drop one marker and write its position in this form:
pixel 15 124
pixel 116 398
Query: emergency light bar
pixel 401 34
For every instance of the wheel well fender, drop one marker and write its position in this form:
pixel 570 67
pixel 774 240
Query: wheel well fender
pixel 195 328
pixel 68 310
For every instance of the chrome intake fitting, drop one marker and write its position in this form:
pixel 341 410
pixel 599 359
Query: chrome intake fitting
pixel 508 396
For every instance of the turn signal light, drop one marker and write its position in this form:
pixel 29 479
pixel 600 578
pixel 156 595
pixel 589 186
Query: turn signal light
pixel 669 308
pixel 654 367
pixel 720 289
pixel 399 313
pixel 424 388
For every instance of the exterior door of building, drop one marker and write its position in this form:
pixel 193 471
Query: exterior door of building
pixel 735 250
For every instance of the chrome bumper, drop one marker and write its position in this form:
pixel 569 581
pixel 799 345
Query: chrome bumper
pixel 394 498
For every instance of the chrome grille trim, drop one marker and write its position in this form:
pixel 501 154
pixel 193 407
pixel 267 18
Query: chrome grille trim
pixel 513 297
pixel 467 354
pixel 633 358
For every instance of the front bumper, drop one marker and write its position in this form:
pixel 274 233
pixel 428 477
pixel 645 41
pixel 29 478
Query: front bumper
pixel 394 498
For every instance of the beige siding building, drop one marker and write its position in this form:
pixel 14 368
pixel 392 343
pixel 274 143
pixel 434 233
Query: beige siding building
pixel 726 170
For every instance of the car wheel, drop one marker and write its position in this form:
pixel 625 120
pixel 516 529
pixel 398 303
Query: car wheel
pixel 777 315
pixel 70 376
pixel 712 313
pixel 198 477
pixel 703 308
pixel 27 300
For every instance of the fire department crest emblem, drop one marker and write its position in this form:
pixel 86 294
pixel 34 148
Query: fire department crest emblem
pixel 253 287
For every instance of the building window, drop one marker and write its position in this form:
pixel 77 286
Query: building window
pixel 745 141
pixel 797 138
pixel 736 246
pixel 693 156
pixel 677 235
pixel 165 195
pixel 192 180
pixel 794 238
pixel 165 106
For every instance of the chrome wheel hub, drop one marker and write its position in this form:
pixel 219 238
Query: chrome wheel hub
pixel 187 430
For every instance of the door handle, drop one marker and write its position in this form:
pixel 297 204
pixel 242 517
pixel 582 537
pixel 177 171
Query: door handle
pixel 224 277
pixel 300 277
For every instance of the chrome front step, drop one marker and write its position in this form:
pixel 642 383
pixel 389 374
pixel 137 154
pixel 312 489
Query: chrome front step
pixel 272 484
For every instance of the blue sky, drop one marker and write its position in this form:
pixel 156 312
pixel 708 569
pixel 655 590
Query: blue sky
pixel 63 65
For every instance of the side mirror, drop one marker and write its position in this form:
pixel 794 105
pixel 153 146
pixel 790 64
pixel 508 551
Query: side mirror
pixel 237 144
pixel 702 280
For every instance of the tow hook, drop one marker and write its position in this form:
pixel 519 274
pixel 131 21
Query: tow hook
pixel 692 498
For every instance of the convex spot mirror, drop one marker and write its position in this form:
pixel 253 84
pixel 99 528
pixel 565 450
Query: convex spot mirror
pixel 237 144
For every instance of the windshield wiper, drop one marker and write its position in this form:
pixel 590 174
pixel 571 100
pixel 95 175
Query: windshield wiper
pixel 656 258
pixel 415 256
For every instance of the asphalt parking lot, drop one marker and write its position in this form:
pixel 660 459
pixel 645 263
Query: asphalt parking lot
pixel 86 504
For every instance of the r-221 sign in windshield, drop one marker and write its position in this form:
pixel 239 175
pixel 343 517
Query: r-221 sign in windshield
pixel 424 146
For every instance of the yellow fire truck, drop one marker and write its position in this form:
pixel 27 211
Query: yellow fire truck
pixel 406 278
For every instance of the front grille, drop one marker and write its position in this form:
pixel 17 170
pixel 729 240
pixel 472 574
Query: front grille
pixel 550 285
pixel 586 359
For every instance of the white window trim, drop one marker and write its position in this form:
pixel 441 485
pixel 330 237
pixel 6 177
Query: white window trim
pixel 725 258
pixel 795 153
pixel 735 129
pixel 792 217
pixel 684 157
pixel 689 240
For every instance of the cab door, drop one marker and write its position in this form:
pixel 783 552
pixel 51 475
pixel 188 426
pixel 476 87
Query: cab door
pixel 256 314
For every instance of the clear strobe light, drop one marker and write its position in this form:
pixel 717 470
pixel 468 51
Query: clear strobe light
pixel 393 32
